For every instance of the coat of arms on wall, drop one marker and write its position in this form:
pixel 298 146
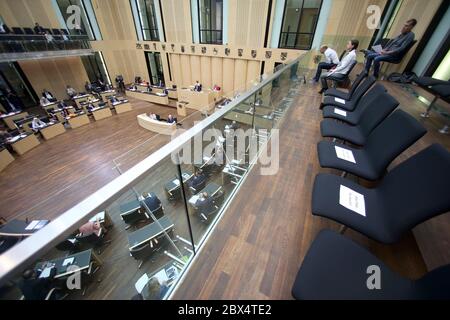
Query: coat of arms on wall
pixel 154 46
pixel 240 52
pixel 203 50
pixel 283 56
pixel 146 47
pixel 138 46
pixel 215 51
pixel 163 47
pixel 193 49
pixel 253 53
pixel 227 51
pixel 182 49
pixel 268 54
pixel 173 47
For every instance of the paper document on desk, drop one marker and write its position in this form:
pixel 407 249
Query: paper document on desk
pixel 193 199
pixel 176 182
pixel 378 48
pixel 345 154
pixel 161 276
pixel 68 261
pixel 352 200
pixel 32 225
pixel 40 224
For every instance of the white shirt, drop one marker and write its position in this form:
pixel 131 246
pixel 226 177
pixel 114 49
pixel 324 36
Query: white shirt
pixel 37 124
pixel 331 56
pixel 344 66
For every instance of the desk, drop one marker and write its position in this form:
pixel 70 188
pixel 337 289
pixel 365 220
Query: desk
pixel 149 232
pixel 102 113
pixel 155 125
pixel 121 107
pixel 52 130
pixel 79 262
pixel 130 207
pixel 5 159
pixel 20 228
pixel 85 104
pixel 149 97
pixel 25 143
pixel 9 118
pixel 142 86
pixel 79 121
pixel 79 99
pixel 106 94
pixel 211 189
pixel 174 184
pixel 232 170
pixel 201 101
pixel 168 274
pixel 51 105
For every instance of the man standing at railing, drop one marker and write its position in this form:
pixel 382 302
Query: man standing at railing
pixel 38 29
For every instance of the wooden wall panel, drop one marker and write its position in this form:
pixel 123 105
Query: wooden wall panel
pixel 115 19
pixel 55 74
pixel 196 71
pixel 216 70
pixel 186 71
pixel 177 20
pixel 240 75
pixel 176 69
pixel 247 22
pixel 24 13
pixel 206 72
pixel 228 77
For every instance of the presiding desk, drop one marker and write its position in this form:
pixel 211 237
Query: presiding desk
pixel 202 101
pixel 121 106
pixel 173 94
pixel 23 143
pixel 20 228
pixel 211 189
pixel 5 158
pixel 157 126
pixel 9 118
pixel 71 264
pixel 150 232
pixel 80 120
pixel 149 96
pixel 52 130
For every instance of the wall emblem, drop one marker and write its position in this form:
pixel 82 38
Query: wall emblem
pixel 154 46
pixel 146 47
pixel 182 49
pixel 138 46
pixel 253 53
pixel 283 56
pixel 268 54
pixel 240 52
pixel 203 50
pixel 164 47
pixel 173 47
pixel 227 51
pixel 215 51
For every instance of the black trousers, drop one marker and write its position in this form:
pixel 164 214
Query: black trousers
pixel 335 76
pixel 323 66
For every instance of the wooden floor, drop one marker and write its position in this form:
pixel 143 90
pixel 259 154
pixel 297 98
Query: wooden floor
pixel 259 244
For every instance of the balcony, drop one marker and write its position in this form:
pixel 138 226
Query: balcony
pixel 16 47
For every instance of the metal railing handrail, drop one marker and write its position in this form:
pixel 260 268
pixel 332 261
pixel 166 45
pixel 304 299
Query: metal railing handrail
pixel 31 249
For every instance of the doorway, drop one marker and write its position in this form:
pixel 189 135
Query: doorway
pixel 155 68
pixel 12 78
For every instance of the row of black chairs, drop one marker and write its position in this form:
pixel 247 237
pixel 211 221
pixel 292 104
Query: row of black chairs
pixel 373 134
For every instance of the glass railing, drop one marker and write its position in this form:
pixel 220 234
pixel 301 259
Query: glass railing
pixel 137 222
pixel 10 43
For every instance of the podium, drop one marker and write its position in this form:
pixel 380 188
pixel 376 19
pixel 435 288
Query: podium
pixel 181 108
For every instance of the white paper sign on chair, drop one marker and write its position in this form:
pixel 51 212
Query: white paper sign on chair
pixel 352 200
pixel 345 154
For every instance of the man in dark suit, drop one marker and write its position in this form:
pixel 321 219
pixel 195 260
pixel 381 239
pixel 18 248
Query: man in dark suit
pixel 151 201
pixel 47 94
pixel 205 205
pixel 35 288
pixel 38 29
pixel 198 180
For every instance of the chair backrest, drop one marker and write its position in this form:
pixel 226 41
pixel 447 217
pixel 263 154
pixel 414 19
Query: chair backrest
pixel 362 89
pixel 417 189
pixel 141 252
pixel 133 217
pixel 352 66
pixel 158 212
pixel 91 238
pixel 357 82
pixel 400 130
pixel 376 112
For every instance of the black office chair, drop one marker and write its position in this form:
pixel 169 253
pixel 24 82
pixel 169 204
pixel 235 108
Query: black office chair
pixel 341 81
pixel 354 117
pixel 413 192
pixel 402 54
pixel 147 249
pixel 198 187
pixel 333 92
pixel 372 116
pixel 157 213
pixel 68 246
pixel 7 243
pixel 371 162
pixel 134 217
pixel 336 268
pixel 93 241
pixel 357 96
pixel 17 30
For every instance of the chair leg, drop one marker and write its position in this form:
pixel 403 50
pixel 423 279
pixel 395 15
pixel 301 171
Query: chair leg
pixel 426 114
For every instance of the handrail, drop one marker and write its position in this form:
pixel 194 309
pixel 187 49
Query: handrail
pixel 56 231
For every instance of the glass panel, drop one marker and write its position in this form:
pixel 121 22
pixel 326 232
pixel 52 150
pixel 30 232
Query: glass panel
pixel 210 21
pixel 147 15
pixel 11 79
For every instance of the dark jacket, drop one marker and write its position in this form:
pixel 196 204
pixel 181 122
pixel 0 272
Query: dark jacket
pixel 37 289
pixel 399 44
pixel 152 202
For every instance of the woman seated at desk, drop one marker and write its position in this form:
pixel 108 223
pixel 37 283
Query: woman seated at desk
pixel 37 124
pixel 154 116
pixel 44 101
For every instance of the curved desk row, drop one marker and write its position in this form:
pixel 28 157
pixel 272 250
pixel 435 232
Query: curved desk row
pixel 155 125
pixel 148 96
pixel 9 118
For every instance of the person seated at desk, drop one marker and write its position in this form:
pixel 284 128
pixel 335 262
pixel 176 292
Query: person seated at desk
pixel 44 101
pixel 149 89
pixel 204 203
pixel 137 79
pixel 165 91
pixel 151 201
pixel 216 88
pixel 37 124
pixel 232 126
pixel 4 137
pixel 88 86
pixel 251 110
pixel 171 119
pixel 154 116
pixel 198 180
pixel 114 99
pixel 47 94
pixel 197 86
pixel 153 290
pixel 33 287
pixel 71 92
pixel 92 227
